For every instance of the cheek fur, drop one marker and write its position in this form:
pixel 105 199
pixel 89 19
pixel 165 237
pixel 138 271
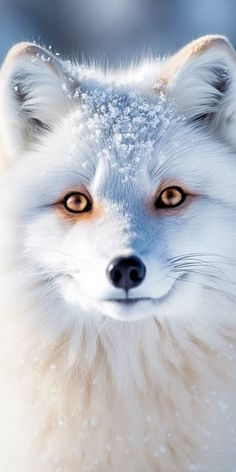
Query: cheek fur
pixel 87 216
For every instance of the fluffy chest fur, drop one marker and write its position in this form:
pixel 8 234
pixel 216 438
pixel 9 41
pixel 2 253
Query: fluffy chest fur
pixel 167 405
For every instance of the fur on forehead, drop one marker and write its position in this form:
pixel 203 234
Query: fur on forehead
pixel 121 126
pixel 37 90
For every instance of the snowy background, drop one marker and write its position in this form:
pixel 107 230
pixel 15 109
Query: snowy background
pixel 113 31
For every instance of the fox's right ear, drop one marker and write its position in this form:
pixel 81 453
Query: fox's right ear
pixel 34 93
pixel 202 79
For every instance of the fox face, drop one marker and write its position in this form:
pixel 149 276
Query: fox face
pixel 122 196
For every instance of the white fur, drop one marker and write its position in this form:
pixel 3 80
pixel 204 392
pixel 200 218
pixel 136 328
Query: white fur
pixel 87 384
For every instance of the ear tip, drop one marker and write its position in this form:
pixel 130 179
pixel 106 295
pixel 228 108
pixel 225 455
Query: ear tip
pixel 200 46
pixel 22 48
pixel 28 50
pixel 212 38
pixel 210 41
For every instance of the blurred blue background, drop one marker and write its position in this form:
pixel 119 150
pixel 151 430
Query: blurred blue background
pixel 113 31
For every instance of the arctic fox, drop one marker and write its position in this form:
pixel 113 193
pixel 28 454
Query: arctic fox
pixel 118 263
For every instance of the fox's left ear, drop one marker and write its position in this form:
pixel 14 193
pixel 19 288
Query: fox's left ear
pixel 34 93
pixel 202 79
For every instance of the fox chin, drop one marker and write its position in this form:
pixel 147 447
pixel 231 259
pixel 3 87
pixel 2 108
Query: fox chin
pixel 118 263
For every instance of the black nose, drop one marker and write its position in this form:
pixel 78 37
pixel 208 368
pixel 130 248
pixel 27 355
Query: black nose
pixel 126 272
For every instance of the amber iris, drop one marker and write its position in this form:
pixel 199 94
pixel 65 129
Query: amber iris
pixel 77 203
pixel 170 197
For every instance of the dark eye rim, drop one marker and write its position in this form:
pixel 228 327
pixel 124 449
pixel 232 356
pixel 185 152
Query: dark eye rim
pixel 86 209
pixel 159 204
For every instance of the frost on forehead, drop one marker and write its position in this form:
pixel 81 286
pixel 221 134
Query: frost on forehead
pixel 123 127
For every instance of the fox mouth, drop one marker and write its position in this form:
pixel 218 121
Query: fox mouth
pixel 128 301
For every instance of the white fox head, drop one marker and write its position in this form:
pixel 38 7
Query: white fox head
pixel 126 196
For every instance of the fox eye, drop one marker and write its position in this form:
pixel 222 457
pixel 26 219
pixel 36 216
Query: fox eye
pixel 170 197
pixel 77 203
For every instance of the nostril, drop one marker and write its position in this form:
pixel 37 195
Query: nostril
pixel 126 272
pixel 116 275
pixel 134 275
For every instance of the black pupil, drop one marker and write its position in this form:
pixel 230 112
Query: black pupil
pixel 171 195
pixel 78 200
